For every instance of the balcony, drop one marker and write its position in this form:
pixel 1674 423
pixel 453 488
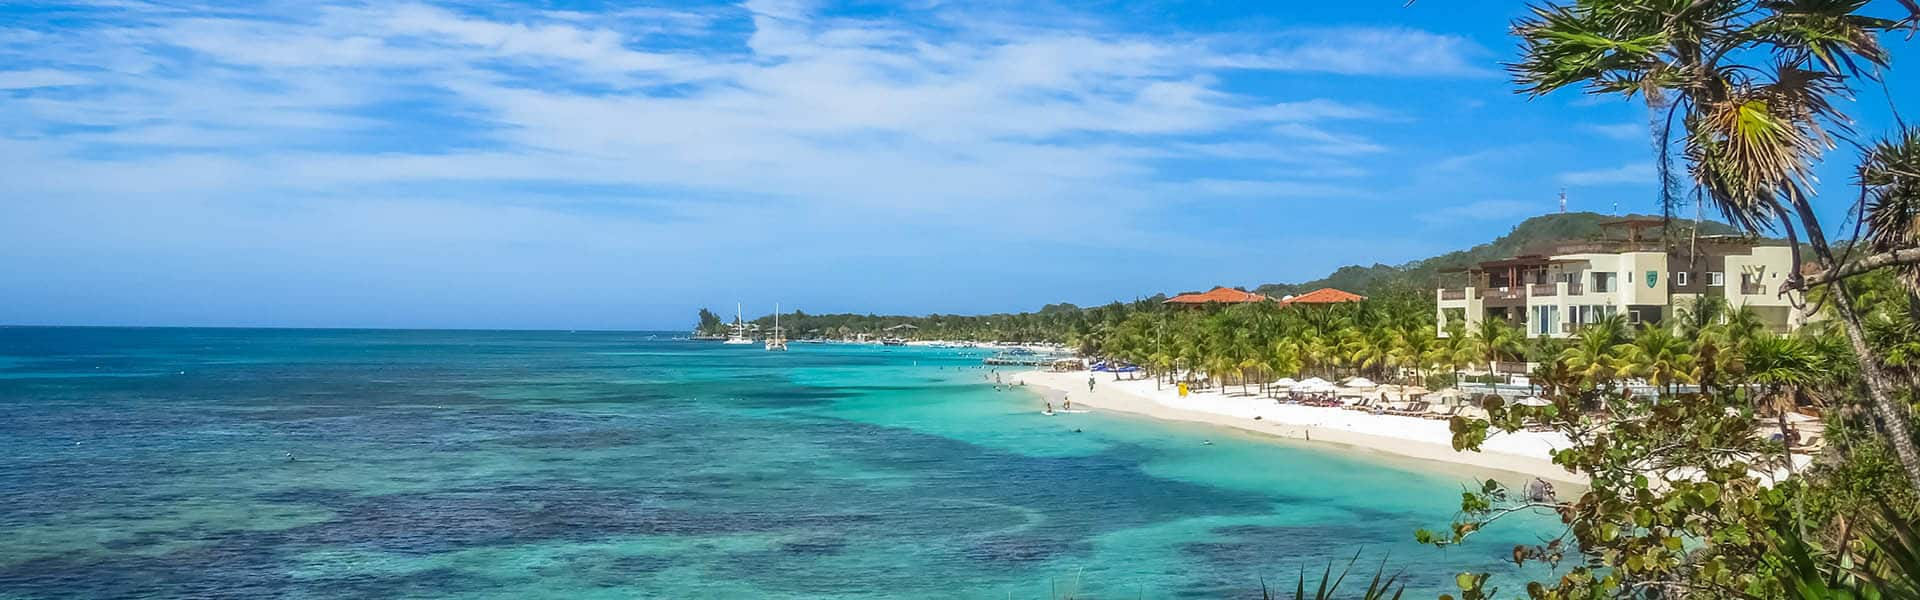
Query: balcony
pixel 1752 289
pixel 1459 294
pixel 1507 297
pixel 1575 289
pixel 1542 289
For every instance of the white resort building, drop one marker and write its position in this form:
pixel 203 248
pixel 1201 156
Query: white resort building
pixel 1552 292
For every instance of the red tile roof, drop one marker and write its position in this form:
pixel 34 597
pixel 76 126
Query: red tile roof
pixel 1223 295
pixel 1323 296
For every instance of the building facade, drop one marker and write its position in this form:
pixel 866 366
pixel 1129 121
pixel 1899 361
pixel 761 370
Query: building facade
pixel 1554 292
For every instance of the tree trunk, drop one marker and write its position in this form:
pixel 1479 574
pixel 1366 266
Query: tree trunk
pixel 1889 412
pixel 1891 415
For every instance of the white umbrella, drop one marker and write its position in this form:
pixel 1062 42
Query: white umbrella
pixel 1533 401
pixel 1314 381
pixel 1284 383
pixel 1361 382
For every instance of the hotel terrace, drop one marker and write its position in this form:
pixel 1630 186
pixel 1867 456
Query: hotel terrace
pixel 1552 291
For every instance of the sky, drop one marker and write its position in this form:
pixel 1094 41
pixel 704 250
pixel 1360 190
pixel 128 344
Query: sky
pixel 617 165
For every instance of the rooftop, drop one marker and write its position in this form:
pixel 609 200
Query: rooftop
pixel 1220 295
pixel 1323 296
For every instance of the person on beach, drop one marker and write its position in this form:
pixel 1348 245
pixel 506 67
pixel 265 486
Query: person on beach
pixel 1066 405
pixel 1089 384
pixel 1540 491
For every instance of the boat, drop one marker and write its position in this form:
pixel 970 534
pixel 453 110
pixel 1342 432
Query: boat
pixel 737 334
pixel 777 339
pixel 893 341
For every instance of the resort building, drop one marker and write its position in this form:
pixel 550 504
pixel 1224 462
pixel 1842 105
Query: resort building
pixel 1553 291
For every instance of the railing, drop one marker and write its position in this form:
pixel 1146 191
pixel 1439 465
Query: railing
pixel 1606 247
pixel 1752 288
pixel 1542 289
pixel 1497 294
pixel 1575 289
pixel 1453 294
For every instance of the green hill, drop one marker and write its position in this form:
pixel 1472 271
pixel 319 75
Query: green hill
pixel 1423 275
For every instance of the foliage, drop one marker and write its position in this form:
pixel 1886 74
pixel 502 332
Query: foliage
pixel 1382 587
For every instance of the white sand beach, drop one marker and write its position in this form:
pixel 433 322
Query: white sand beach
pixel 1526 453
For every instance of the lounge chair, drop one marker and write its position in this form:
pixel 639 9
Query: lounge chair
pixel 1413 409
pixel 1441 413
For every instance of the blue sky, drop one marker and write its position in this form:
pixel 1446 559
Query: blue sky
pixel 608 165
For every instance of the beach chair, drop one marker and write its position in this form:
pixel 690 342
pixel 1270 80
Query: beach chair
pixel 1441 413
pixel 1412 409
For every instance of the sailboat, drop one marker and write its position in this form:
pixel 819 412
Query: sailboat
pixel 777 340
pixel 737 334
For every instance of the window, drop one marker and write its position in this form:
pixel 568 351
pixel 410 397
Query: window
pixel 1680 278
pixel 1603 282
pixel 1545 319
pixel 1716 278
pixel 1633 316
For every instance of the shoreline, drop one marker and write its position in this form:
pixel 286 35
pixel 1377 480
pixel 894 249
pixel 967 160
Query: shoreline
pixel 1425 441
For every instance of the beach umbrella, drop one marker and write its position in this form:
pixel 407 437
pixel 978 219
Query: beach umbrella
pixel 1314 386
pixel 1361 383
pixel 1533 401
pixel 1284 383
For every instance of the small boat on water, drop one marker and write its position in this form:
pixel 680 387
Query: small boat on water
pixel 738 332
pixel 777 339
pixel 893 341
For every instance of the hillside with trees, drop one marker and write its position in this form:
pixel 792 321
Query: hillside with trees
pixel 1530 235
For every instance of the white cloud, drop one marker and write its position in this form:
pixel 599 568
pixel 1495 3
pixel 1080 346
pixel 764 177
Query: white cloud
pixel 374 123
pixel 1483 210
pixel 39 78
pixel 1626 132
pixel 1637 173
pixel 1369 51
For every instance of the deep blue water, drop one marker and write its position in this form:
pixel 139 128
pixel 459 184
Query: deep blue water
pixel 232 463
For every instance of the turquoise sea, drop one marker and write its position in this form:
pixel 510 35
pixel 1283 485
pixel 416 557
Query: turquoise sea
pixel 238 463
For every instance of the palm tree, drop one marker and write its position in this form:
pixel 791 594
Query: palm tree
pixel 1751 82
pixel 1782 367
pixel 1593 357
pixel 1657 355
pixel 1494 341
pixel 1453 352
pixel 1704 312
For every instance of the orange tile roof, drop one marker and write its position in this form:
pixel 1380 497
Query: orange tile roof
pixel 1324 296
pixel 1223 295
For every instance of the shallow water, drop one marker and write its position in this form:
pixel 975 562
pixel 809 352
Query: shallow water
pixel 327 464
